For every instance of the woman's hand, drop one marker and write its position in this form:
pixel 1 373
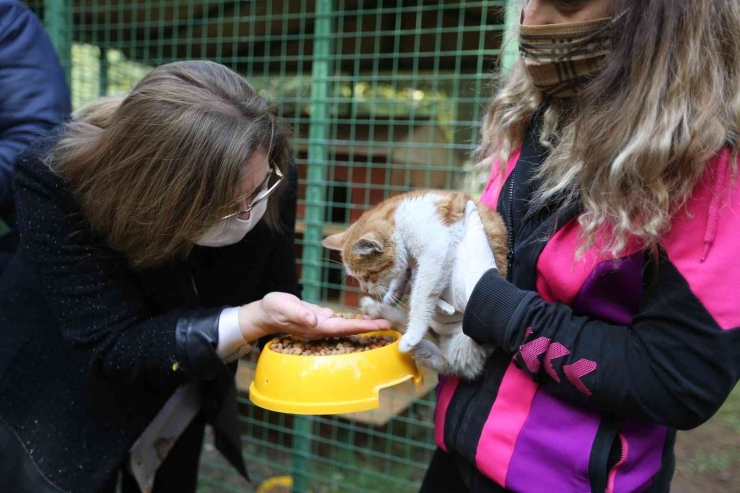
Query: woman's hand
pixel 282 312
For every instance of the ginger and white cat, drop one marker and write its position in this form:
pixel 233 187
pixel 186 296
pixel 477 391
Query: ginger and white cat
pixel 418 231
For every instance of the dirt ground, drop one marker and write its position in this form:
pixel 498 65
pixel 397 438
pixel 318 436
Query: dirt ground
pixel 708 458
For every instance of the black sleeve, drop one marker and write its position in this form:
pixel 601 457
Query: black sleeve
pixel 90 292
pixel 674 366
pixel 33 92
pixel 281 273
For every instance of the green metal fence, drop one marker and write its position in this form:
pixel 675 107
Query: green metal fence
pixel 383 96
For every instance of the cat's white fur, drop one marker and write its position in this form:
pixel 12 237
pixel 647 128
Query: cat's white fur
pixel 423 242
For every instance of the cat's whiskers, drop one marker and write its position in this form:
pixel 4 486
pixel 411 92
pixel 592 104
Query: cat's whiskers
pixel 378 292
pixel 332 261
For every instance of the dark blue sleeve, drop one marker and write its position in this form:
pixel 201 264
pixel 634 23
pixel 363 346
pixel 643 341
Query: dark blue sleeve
pixel 33 92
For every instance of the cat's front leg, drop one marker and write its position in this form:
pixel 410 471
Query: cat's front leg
pixel 428 283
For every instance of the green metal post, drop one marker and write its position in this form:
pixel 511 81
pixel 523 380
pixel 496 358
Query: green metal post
pixel 317 152
pixel 510 50
pixel 315 204
pixel 58 23
pixel 103 86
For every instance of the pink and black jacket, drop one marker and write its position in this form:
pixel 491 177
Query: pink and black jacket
pixel 599 361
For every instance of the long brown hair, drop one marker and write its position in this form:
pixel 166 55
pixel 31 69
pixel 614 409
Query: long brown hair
pixel 155 169
pixel 634 144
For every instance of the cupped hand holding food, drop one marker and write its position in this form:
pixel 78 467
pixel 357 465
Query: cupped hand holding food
pixel 285 313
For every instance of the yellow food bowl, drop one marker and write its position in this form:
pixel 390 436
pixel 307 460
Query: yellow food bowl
pixel 335 384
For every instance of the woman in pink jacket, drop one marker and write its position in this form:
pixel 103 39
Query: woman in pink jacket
pixel 614 157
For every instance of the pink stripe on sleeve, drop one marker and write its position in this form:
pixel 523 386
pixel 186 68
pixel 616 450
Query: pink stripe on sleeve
pixel 504 423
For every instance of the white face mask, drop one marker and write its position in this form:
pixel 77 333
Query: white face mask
pixel 232 230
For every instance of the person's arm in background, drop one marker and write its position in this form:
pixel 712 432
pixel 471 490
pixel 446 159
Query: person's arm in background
pixel 34 97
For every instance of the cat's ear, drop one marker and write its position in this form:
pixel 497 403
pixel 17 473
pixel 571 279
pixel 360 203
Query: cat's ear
pixel 335 242
pixel 367 245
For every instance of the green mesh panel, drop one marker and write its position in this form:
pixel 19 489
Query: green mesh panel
pixel 383 97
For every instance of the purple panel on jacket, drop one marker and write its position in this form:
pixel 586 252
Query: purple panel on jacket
pixel 613 290
pixel 554 447
pixel 644 456
pixel 557 438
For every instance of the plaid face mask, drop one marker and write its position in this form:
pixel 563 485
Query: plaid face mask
pixel 562 58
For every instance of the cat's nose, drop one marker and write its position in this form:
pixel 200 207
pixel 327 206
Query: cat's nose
pixel 365 291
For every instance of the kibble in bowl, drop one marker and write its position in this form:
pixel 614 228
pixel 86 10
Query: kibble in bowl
pixel 348 316
pixel 330 346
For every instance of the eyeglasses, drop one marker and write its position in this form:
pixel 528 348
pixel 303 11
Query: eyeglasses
pixel 263 194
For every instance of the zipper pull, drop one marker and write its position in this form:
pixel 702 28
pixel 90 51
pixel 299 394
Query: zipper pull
pixel 195 288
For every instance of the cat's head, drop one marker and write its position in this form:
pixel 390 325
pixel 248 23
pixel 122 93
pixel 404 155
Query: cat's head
pixel 368 254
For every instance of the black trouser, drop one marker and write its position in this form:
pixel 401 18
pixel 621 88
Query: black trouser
pixel 179 471
pixel 448 473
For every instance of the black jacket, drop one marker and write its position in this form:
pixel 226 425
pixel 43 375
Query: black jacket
pixel 89 345
pixel 598 361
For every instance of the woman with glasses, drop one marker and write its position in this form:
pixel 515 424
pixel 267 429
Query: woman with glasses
pixel 156 248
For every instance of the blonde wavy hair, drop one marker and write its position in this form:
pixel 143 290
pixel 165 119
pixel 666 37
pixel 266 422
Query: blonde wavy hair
pixel 155 169
pixel 634 144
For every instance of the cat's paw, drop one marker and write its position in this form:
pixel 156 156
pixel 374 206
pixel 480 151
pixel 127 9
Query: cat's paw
pixel 428 355
pixel 404 345
pixel 371 307
pixel 465 357
pixel 409 341
pixel 376 309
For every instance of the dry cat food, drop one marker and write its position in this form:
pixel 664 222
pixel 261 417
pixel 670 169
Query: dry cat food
pixel 330 345
pixel 348 316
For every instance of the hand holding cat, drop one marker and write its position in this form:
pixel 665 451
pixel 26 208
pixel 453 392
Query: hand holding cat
pixel 473 259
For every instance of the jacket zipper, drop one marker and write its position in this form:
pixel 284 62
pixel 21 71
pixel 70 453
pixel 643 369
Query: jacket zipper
pixel 516 233
pixel 615 468
pixel 509 258
pixel 513 239
pixel 195 288
pixel 510 255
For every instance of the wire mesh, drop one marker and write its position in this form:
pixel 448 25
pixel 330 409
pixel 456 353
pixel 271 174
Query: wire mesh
pixel 383 96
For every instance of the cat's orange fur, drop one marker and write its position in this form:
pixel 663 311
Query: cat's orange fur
pixel 378 225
